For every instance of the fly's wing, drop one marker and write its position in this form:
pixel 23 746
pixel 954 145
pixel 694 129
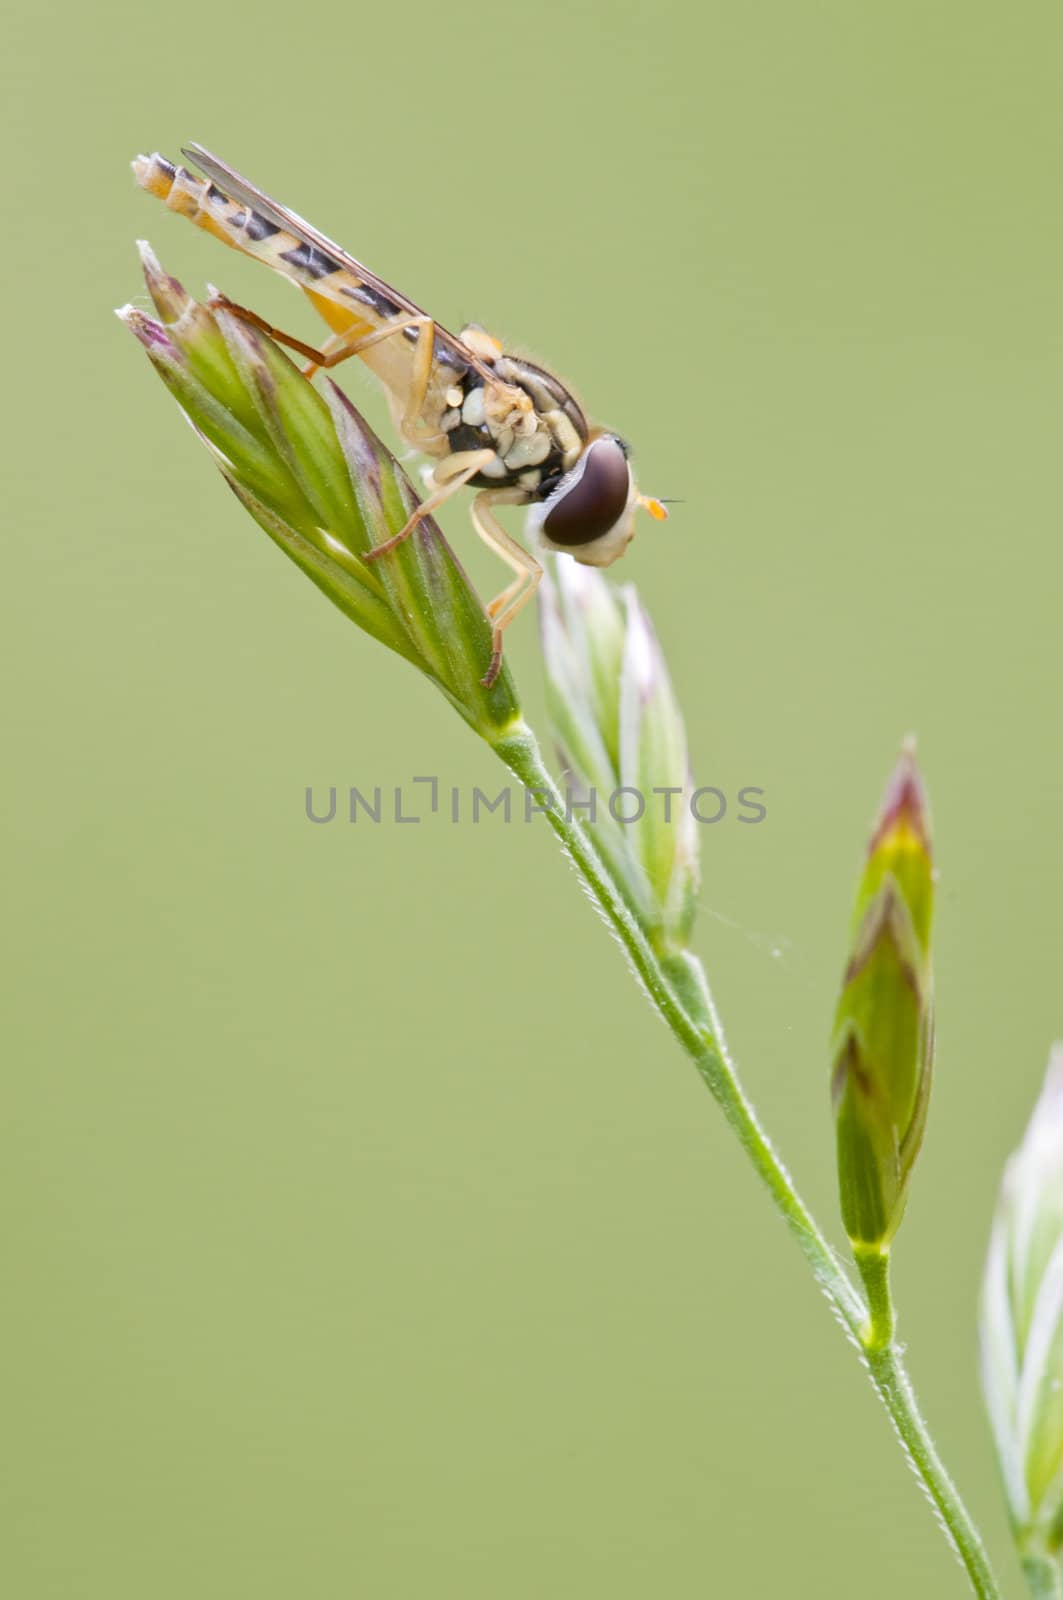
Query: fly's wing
pixel 352 300
pixel 317 263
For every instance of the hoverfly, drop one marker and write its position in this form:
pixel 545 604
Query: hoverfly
pixel 491 419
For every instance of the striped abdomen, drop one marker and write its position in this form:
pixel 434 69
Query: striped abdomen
pixel 346 302
pixel 203 203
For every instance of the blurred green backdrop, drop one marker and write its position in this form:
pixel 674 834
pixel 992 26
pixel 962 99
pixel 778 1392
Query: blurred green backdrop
pixel 365 1233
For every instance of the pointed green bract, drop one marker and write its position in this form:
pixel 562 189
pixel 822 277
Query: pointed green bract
pixel 319 482
pixel 882 1047
pixel 582 626
pixel 622 744
pixel 593 616
pixel 1021 1326
pixel 654 763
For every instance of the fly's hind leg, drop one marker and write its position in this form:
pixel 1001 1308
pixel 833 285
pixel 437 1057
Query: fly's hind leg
pixel 449 476
pixel 341 346
pixel 221 302
pixel 512 600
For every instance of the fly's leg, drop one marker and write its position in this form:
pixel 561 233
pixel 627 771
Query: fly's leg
pixel 512 600
pixel 497 539
pixel 221 302
pixel 407 417
pixel 449 476
pixel 341 346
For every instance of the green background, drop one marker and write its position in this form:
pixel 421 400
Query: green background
pixel 365 1233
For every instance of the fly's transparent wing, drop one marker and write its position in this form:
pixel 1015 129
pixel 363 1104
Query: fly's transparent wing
pixel 323 256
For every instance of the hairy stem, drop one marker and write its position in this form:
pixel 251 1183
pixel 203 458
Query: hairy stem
pixel 676 986
pixel 886 1367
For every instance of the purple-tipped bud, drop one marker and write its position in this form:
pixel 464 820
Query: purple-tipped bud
pixel 882 1048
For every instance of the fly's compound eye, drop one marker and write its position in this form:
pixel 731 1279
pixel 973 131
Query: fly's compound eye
pixel 592 498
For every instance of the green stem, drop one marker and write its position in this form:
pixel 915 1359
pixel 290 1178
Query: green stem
pixel 676 986
pixel 1043 1576
pixel 874 1268
pixel 894 1386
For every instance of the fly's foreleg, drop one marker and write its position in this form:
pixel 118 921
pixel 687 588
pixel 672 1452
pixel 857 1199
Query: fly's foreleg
pixel 512 600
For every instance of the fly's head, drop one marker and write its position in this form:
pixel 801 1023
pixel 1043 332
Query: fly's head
pixel 589 511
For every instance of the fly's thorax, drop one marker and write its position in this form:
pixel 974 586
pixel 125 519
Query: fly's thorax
pixel 588 512
pixel 551 401
pixel 530 421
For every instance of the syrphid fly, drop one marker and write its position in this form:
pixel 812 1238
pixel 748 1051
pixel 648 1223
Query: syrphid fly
pixel 490 419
